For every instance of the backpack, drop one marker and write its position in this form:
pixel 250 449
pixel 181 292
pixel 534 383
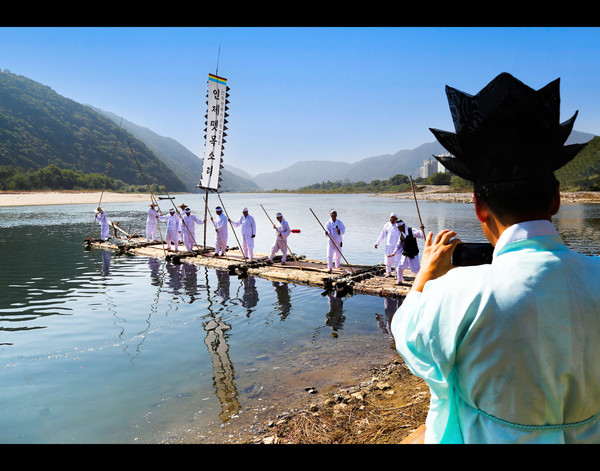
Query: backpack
pixel 410 248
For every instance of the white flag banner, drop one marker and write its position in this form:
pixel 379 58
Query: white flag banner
pixel 215 133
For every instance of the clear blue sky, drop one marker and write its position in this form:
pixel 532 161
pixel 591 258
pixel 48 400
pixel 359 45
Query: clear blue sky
pixel 326 93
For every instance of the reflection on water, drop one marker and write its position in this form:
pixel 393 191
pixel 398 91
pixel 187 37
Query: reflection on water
pixel 283 303
pixel 223 378
pixel 579 226
pixel 335 315
pixel 97 347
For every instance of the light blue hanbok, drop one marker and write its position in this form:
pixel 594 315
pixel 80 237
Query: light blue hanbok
pixel 510 350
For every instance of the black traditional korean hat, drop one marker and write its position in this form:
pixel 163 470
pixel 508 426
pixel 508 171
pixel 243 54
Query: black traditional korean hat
pixel 507 132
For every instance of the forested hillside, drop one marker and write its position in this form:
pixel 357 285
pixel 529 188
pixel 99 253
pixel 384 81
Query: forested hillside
pixel 583 172
pixel 39 127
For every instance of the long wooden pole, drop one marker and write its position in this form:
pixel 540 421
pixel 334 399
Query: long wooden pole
pixel 115 225
pixel 332 241
pixel 152 197
pixel 217 231
pixel 110 162
pixel 230 223
pixel 417 204
pixel 107 171
pixel 279 235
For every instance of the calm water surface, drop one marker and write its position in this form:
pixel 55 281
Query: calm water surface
pixel 101 348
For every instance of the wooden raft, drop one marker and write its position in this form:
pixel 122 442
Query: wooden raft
pixel 354 279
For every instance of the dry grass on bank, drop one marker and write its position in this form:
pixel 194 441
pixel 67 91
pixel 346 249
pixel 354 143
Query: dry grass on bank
pixel 384 410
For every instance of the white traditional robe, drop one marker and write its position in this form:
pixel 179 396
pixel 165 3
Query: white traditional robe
pixel 333 251
pixel 172 230
pixel 283 231
pixel 104 225
pixel 389 235
pixel 248 233
pixel 151 224
pixel 188 230
pixel 221 236
pixel 510 350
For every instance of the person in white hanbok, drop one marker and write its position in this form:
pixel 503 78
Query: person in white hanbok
pixel 406 253
pixel 188 228
pixel 220 223
pixel 248 232
pixel 510 349
pixel 173 224
pixel 283 230
pixel 390 236
pixel 102 219
pixel 334 229
pixel 151 223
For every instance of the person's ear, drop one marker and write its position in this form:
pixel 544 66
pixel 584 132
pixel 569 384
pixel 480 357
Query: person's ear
pixel 481 209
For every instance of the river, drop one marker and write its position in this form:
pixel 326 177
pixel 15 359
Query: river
pixel 97 347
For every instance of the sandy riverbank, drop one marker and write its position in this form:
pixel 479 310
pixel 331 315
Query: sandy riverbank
pixel 37 198
pixel 424 193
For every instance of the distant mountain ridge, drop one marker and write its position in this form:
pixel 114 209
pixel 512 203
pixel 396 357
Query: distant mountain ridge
pixel 406 162
pixel 382 167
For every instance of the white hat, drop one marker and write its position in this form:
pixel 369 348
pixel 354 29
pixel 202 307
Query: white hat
pixel 394 215
pixel 278 215
pixel 244 210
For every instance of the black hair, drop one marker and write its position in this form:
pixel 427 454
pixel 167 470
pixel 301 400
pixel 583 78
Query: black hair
pixel 522 199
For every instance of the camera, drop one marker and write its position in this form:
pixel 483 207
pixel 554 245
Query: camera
pixel 472 253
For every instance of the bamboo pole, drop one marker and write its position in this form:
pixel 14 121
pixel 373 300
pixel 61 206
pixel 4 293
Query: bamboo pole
pixel 230 223
pixel 152 197
pixel 418 213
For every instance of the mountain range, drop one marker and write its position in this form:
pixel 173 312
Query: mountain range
pixel 39 127
pixel 383 167
pixel 300 174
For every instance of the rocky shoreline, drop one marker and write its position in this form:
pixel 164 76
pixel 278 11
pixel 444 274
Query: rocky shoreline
pixel 386 408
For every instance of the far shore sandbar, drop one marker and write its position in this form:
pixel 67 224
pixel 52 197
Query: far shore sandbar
pixel 431 193
pixel 37 198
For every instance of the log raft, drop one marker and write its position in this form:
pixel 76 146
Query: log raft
pixel 354 279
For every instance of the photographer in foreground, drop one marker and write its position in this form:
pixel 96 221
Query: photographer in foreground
pixel 510 350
